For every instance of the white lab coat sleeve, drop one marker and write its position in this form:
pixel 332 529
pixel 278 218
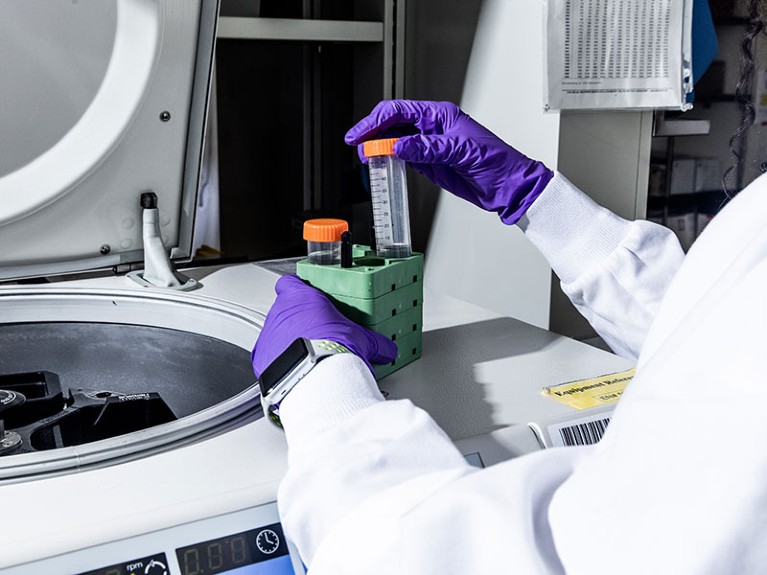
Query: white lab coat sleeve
pixel 347 446
pixel 614 271
pixel 493 520
pixel 377 487
pixel 677 484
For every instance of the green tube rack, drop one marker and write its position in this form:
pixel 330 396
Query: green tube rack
pixel 385 295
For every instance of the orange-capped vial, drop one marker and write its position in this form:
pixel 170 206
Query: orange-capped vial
pixel 388 194
pixel 323 240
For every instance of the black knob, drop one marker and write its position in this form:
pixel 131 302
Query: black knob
pixel 10 399
pixel 149 200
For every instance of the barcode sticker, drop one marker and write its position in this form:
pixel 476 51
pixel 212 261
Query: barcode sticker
pixel 587 431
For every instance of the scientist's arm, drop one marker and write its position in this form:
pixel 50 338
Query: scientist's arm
pixel 615 272
pixel 346 444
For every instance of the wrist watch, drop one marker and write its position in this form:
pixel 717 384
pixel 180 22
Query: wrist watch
pixel 290 367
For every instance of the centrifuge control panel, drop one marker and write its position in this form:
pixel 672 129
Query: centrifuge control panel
pixel 248 542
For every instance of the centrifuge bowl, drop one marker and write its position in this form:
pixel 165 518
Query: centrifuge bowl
pixel 192 350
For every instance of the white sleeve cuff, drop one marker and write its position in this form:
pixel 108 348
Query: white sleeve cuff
pixel 335 389
pixel 570 229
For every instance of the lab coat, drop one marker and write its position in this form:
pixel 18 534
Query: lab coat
pixel 677 485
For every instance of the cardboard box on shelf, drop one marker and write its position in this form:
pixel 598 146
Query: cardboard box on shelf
pixel 691 175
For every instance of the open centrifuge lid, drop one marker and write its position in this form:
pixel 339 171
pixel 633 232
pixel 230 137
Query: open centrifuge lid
pixel 101 100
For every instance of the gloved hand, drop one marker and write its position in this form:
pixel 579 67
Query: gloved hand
pixel 457 154
pixel 303 311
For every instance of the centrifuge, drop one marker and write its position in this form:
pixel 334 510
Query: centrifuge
pixel 132 440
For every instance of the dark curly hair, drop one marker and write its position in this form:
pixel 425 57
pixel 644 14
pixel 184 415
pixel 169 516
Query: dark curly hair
pixel 755 27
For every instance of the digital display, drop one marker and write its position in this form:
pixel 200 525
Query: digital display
pixel 152 565
pixel 261 551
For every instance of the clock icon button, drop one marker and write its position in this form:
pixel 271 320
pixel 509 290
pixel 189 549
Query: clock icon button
pixel 267 541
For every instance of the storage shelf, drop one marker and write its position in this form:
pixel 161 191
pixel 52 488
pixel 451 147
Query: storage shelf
pixel 284 29
pixel 665 126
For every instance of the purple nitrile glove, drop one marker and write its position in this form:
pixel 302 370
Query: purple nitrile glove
pixel 303 311
pixel 458 154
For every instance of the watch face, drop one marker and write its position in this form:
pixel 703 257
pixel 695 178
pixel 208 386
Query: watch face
pixel 295 353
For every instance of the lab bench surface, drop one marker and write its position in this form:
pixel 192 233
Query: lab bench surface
pixel 479 371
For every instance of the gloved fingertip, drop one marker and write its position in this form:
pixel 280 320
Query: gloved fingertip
pixel 288 281
pixel 360 132
pixel 387 349
pixel 351 137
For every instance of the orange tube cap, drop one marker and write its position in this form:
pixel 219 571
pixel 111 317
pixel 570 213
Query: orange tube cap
pixel 383 147
pixel 324 230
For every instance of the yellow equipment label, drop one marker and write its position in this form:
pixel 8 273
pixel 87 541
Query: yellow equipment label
pixel 592 392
